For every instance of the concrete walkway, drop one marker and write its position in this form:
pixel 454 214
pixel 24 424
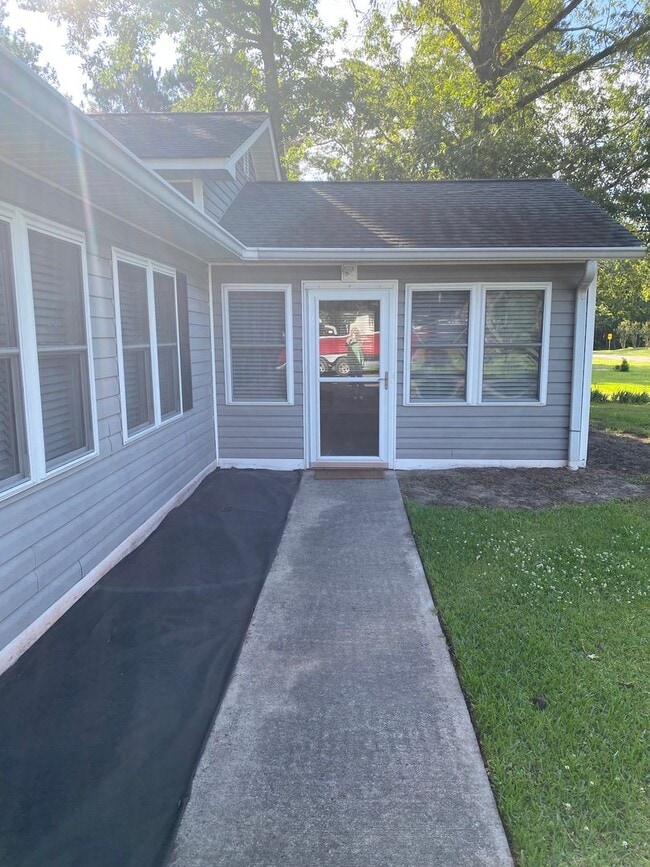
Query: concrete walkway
pixel 343 738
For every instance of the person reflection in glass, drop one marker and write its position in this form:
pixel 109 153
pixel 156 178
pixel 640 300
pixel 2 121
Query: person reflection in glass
pixel 355 360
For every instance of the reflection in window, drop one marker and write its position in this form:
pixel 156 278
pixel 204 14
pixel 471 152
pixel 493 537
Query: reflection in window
pixel 439 339
pixel 513 345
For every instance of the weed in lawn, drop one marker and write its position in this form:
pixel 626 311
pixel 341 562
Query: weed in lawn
pixel 554 605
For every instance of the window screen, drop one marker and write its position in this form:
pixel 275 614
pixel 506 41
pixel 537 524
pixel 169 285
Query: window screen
pixel 439 329
pixel 57 287
pixel 513 345
pixel 12 442
pixel 136 346
pixel 258 346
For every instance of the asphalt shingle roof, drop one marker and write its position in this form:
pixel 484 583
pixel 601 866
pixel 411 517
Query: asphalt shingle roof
pixel 189 135
pixel 434 214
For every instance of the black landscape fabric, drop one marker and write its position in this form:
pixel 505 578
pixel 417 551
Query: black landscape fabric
pixel 103 720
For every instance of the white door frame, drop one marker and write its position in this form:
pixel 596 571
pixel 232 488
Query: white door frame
pixel 312 292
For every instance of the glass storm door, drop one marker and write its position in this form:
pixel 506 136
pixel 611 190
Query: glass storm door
pixel 350 354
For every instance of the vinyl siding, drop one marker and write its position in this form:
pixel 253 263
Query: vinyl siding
pixel 491 432
pixel 424 433
pixel 55 532
pixel 218 195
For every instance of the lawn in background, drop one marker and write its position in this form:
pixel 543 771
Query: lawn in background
pixel 547 614
pixel 621 417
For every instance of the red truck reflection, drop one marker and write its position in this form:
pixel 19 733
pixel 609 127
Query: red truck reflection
pixel 333 352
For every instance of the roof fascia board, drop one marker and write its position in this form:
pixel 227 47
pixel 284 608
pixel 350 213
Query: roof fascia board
pixel 93 139
pixel 450 254
pixel 250 141
pixel 187 163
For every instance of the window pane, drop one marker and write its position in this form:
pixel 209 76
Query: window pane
pixel 170 403
pixel 439 318
pixel 258 346
pixel 138 389
pixel 439 329
pixel 136 346
pixel 438 374
pixel 511 373
pixel 166 335
pixel 64 380
pixel 10 433
pixel 8 338
pixel 514 317
pixel 134 306
pixel 57 286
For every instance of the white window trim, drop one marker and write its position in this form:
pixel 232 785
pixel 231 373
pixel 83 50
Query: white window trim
pixel 472 367
pixel 226 288
pixel 545 343
pixel 149 266
pixel 476 340
pixel 20 222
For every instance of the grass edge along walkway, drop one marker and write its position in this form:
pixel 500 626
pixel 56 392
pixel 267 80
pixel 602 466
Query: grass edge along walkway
pixel 547 614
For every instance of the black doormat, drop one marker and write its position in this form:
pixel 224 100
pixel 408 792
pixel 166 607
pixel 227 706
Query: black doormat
pixel 349 474
pixel 103 720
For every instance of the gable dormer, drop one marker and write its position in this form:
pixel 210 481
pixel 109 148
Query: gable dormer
pixel 206 156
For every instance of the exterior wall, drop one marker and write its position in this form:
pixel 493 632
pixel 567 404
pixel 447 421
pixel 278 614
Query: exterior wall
pixel 56 532
pixel 218 196
pixel 424 433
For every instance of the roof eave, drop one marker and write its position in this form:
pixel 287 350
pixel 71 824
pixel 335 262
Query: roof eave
pixel 433 254
pixel 33 95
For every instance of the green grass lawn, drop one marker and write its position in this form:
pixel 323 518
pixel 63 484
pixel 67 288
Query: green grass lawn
pixel 622 418
pixel 553 604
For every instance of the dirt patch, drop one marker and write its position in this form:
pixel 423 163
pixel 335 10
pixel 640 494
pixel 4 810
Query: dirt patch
pixel 618 467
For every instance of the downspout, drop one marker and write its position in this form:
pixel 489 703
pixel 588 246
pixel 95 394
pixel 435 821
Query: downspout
pixel 583 338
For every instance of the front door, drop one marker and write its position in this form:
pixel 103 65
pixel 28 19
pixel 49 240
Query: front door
pixel 351 387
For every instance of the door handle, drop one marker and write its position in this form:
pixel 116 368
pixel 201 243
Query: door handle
pixel 386 380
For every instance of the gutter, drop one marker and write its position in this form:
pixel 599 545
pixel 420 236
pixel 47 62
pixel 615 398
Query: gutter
pixel 583 342
pixel 438 254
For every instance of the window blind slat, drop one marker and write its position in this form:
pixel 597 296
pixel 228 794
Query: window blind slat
pixel 10 445
pixel 63 379
pixel 8 337
pixel 439 334
pixel 257 345
pixel 138 389
pixel 57 289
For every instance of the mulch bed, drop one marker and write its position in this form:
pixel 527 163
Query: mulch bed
pixel 618 467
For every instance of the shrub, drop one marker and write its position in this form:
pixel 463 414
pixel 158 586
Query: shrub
pixel 624 396
pixel 624 366
pixel 598 396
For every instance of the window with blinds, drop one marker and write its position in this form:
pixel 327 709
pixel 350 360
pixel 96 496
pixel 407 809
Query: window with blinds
pixel 13 456
pixel 256 345
pixel 439 345
pixel 151 352
pixel 512 345
pixel 59 314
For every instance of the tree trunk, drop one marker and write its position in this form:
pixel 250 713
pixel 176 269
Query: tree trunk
pixel 271 81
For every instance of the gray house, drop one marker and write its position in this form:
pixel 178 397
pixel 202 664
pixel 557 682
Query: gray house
pixel 168 305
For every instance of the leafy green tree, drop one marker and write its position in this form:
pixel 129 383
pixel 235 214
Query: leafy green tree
pixel 232 54
pixel 17 43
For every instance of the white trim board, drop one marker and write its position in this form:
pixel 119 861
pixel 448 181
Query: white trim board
pixel 262 464
pixel 15 649
pixel 458 463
